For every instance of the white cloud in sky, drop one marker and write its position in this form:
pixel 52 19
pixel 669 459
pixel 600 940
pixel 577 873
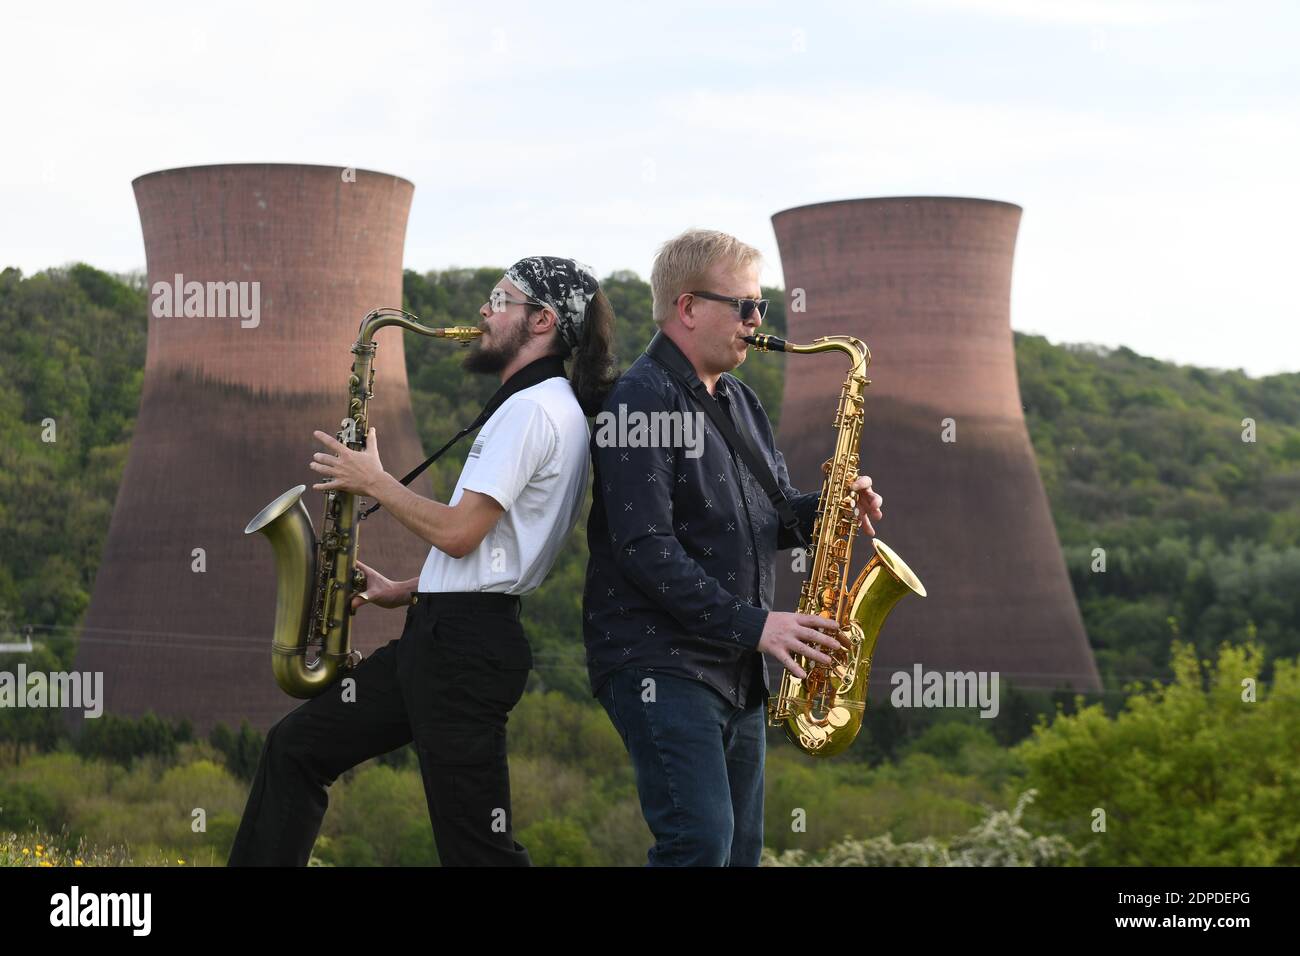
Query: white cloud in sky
pixel 1153 233
pixel 1091 12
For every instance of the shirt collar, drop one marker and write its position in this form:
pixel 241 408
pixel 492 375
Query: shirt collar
pixel 666 352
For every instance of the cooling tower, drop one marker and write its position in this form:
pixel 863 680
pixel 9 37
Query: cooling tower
pixel 926 283
pixel 226 417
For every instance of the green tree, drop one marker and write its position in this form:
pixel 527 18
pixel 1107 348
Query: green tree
pixel 1192 773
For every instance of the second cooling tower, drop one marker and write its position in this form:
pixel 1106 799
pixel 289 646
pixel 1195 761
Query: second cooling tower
pixel 926 283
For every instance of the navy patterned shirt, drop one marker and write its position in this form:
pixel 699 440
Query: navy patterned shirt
pixel 682 537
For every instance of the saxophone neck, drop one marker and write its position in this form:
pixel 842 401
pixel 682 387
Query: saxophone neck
pixel 379 318
pixel 854 348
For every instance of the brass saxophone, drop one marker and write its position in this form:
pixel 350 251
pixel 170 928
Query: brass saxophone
pixel 823 712
pixel 316 580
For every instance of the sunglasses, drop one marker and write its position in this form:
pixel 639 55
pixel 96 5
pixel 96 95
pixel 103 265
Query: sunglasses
pixel 745 307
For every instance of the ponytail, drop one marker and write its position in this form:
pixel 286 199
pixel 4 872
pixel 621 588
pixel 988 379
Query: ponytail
pixel 593 371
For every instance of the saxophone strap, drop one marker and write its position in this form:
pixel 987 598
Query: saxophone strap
pixel 534 373
pixel 666 353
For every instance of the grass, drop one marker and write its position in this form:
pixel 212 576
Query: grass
pixel 38 848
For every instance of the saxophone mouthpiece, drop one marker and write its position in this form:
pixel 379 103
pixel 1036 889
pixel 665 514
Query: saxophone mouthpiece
pixel 464 334
pixel 766 343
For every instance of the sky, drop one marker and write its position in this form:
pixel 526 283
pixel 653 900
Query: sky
pixel 1154 146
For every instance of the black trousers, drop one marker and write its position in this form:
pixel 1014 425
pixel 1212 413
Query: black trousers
pixel 448 683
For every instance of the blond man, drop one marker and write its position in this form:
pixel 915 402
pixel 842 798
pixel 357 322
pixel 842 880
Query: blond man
pixel 680 580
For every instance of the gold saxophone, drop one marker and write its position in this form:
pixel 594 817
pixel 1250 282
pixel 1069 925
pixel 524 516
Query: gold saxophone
pixel 823 712
pixel 316 580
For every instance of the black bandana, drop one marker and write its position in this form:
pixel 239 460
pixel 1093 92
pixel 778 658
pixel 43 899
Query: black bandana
pixel 565 285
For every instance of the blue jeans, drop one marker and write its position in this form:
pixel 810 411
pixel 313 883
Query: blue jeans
pixel 698 761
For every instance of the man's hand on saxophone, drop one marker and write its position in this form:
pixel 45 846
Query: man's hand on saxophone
pixel 786 633
pixel 381 591
pixel 357 472
pixel 862 487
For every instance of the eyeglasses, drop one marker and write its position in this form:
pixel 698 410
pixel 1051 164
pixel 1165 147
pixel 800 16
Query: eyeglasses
pixel 498 300
pixel 745 307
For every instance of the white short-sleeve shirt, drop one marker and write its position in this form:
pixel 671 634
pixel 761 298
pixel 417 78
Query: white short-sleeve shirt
pixel 532 457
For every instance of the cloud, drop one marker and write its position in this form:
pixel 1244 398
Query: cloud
pixel 1156 231
pixel 1083 12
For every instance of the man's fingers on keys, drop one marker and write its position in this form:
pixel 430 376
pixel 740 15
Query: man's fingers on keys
pixel 817 621
pixel 811 651
pixel 818 637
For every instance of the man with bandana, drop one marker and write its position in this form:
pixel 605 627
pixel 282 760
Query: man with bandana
pixel 449 682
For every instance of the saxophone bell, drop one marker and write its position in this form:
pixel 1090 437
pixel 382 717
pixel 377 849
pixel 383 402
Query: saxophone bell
pixel 287 525
pixel 823 712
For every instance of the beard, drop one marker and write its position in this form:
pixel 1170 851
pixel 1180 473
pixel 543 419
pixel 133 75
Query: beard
pixel 491 360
